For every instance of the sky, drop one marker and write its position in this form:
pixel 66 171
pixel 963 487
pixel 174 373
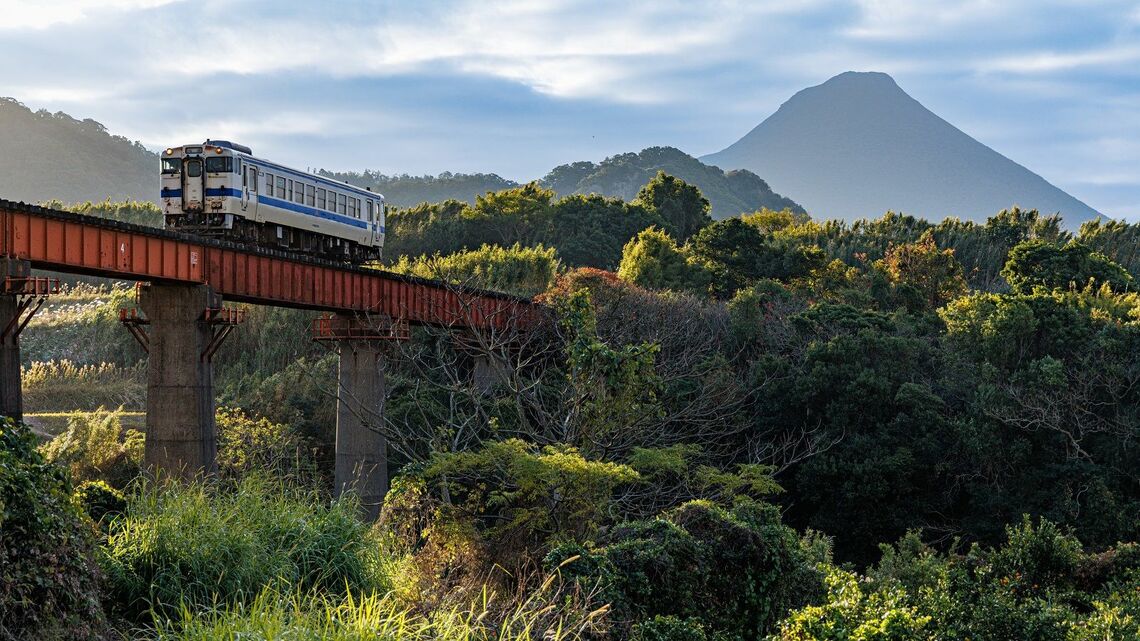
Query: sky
pixel 516 88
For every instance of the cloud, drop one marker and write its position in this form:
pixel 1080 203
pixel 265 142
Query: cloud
pixel 518 86
pixel 1044 62
pixel 904 20
pixel 615 51
pixel 42 14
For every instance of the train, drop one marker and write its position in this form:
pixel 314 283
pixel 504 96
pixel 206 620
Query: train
pixel 220 189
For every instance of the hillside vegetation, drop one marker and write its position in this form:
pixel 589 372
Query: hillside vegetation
pixel 729 193
pixel 763 427
pixel 621 176
pixel 45 156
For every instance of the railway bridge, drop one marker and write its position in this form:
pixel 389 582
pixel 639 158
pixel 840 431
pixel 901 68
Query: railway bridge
pixel 185 281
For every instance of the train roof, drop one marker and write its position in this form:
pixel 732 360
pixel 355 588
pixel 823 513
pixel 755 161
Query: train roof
pixel 225 144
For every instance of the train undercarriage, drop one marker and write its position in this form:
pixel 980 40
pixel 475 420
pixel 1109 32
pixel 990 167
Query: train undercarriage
pixel 271 236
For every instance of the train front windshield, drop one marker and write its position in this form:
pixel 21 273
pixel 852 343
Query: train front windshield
pixel 219 164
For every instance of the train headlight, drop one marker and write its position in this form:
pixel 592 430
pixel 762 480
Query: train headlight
pixel 169 151
pixel 218 150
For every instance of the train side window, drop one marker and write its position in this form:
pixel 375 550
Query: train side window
pixel 268 184
pixel 310 197
pixel 341 203
pixel 352 207
pixel 320 198
pixel 289 191
pixel 369 211
pixel 281 187
pixel 299 192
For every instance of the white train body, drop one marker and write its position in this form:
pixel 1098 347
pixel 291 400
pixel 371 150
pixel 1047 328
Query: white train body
pixel 219 188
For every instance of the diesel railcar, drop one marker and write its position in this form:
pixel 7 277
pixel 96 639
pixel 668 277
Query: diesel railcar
pixel 219 188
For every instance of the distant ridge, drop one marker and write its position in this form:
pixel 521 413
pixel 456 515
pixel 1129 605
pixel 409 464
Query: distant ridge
pixel 45 155
pixel 858 145
pixel 730 193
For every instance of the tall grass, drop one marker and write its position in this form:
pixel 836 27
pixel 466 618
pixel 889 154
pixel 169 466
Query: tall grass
pixel 200 546
pixel 82 326
pixel 65 385
pixel 272 616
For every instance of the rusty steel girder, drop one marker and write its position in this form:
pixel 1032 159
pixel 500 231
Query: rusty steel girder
pixel 72 243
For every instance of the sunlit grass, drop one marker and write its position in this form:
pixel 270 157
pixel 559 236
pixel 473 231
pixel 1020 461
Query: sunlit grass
pixel 204 545
pixel 273 616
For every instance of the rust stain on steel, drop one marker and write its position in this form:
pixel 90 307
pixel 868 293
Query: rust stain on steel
pixel 71 243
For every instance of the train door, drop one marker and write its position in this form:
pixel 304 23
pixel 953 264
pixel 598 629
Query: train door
pixel 371 224
pixel 193 180
pixel 249 190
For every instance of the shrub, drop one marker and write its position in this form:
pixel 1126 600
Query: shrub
pixel 48 579
pixel 95 447
pixel 249 445
pixel 100 500
pixel 735 572
pixel 851 613
pixel 668 628
pixel 523 498
pixel 199 545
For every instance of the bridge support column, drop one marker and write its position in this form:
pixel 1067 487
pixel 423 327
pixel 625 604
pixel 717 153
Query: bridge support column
pixel 180 431
pixel 487 372
pixel 21 296
pixel 11 397
pixel 361 450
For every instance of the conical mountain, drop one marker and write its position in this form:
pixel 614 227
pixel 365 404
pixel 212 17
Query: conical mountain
pixel 858 145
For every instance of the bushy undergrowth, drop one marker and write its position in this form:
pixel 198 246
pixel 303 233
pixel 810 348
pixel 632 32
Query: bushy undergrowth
pixel 99 500
pixel 199 546
pixel 251 445
pixel 731 572
pixel 1041 585
pixel 48 578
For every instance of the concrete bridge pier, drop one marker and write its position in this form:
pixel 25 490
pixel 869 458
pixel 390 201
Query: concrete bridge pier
pixel 361 450
pixel 11 398
pixel 180 431
pixel 15 306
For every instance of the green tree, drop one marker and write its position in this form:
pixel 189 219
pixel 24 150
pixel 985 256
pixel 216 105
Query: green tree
pixel 591 230
pixel 520 270
pixel 933 273
pixel 652 260
pixel 678 203
pixel 738 254
pixel 1037 263
pixel 48 578
pixel 512 215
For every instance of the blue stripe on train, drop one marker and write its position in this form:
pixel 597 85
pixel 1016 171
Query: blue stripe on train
pixel 312 211
pixel 276 202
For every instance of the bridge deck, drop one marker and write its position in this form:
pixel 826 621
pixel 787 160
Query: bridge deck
pixel 72 243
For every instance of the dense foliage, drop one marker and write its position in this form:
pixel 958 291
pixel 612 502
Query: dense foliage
pixel 48 578
pixel 52 155
pixel 1039 585
pixel 730 193
pixel 672 450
